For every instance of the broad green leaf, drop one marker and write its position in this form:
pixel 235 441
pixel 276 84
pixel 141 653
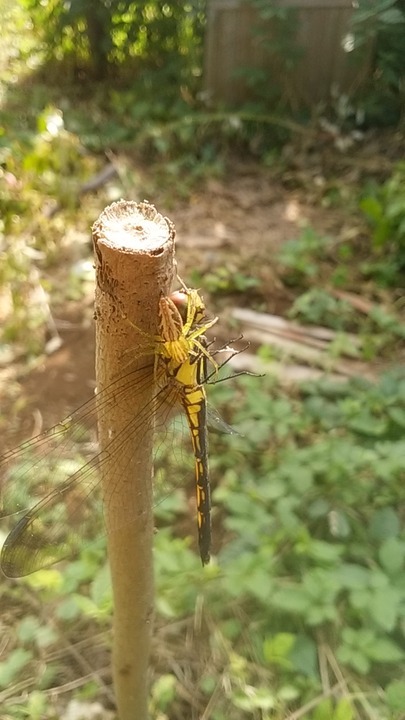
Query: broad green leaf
pixel 252 698
pixel 372 208
pixel 385 650
pixel 397 414
pixel 288 693
pixel 384 607
pixel 367 424
pixel 384 523
pixel 15 662
pixel 395 694
pixel 343 710
pixel 359 599
pixel 68 609
pixel 324 711
pixel 304 656
pixel 101 588
pixel 49 579
pixel 164 691
pixel 392 555
pixel 353 576
pixel 28 628
pixel 324 552
pixel 276 649
pixel 292 600
pixel 37 705
pixel 353 658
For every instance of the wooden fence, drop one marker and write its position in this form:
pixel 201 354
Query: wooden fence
pixel 304 55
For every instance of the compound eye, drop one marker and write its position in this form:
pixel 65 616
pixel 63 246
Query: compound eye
pixel 180 300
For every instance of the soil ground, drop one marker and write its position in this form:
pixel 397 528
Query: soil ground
pixel 237 223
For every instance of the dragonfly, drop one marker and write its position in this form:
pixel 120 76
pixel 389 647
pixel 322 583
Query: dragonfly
pixel 51 484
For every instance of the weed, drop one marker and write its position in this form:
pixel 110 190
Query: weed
pixel 384 208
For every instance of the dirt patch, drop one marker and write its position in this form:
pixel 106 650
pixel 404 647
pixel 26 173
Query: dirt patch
pixel 237 224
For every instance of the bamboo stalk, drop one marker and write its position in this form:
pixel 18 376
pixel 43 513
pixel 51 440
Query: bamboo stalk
pixel 134 248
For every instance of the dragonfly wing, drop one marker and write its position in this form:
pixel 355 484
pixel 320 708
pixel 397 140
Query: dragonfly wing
pixel 66 517
pixel 217 424
pixel 28 472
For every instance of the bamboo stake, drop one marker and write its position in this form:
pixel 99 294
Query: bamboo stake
pixel 134 248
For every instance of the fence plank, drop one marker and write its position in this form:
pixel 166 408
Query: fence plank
pixel 238 43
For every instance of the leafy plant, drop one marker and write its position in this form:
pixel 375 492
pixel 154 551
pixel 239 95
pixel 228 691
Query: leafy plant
pixel 113 32
pixel 300 258
pixel 225 280
pixel 380 25
pixel 319 307
pixel 384 208
pixel 310 565
pixel 43 170
pixel 304 522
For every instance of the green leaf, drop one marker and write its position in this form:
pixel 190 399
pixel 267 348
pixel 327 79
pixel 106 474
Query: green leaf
pixel 397 414
pixel 37 705
pixel 372 208
pixel 15 662
pixel 392 555
pixel 359 599
pixel 393 16
pixel 276 649
pixel 31 631
pixel 252 698
pixel 51 580
pixel 68 609
pixel 324 710
pixel 164 691
pixel 28 628
pixel 344 710
pixel 384 650
pixel 353 577
pixel 248 575
pixel 384 524
pixel 292 600
pixel 324 552
pixel 304 656
pixel 101 588
pixel 353 658
pixel 395 694
pixel 367 424
pixel 384 606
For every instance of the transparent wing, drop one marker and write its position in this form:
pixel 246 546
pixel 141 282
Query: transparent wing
pixel 216 424
pixel 51 484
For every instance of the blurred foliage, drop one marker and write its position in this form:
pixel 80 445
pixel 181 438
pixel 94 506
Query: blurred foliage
pixel 226 280
pixel 380 24
pixel 312 264
pixel 374 39
pixel 269 90
pixel 308 592
pixel 384 208
pixel 300 258
pixel 40 173
pixel 309 575
pixel 109 33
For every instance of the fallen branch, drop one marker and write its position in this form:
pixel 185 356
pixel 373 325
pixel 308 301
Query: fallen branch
pixel 309 345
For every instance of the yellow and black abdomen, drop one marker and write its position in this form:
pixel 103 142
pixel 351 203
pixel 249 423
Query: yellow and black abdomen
pixel 195 406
